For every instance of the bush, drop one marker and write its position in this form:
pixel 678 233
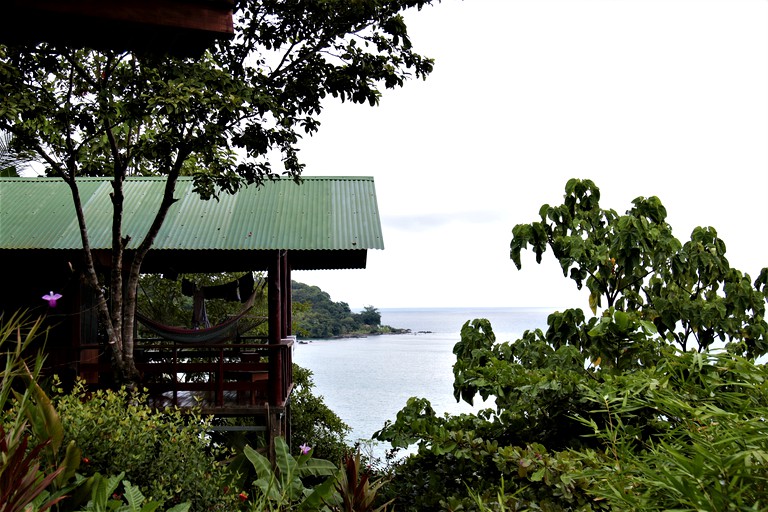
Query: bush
pixel 165 453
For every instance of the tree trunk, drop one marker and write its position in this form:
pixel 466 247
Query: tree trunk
pixel 118 314
pixel 131 280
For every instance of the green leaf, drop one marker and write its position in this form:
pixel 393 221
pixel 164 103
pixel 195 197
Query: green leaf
pixel 316 467
pixel 269 488
pixel 319 496
pixel 622 321
pixel 71 463
pixel 133 496
pixel 286 464
pixel 181 507
pixel 260 463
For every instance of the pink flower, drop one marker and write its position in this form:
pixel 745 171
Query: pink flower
pixel 305 449
pixel 52 298
pixel 243 496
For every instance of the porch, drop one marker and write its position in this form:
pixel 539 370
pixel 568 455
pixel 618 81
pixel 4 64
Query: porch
pixel 222 379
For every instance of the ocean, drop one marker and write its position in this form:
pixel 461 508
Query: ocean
pixel 366 381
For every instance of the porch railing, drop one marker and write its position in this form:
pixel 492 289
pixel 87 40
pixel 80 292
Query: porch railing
pixel 226 374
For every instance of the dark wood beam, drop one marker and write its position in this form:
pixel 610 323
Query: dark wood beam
pixel 274 298
pixel 183 27
pixel 285 286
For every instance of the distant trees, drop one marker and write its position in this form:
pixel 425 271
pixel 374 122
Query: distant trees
pixel 315 315
pixel 370 316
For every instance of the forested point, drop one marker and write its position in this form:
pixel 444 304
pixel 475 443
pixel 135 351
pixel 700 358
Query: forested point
pixel 315 315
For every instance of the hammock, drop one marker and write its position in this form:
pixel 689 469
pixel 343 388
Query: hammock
pixel 224 331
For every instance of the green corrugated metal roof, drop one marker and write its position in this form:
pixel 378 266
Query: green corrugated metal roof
pixel 327 213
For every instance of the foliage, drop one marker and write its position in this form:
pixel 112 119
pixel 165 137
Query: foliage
pixel 370 316
pixel 315 315
pixel 312 420
pixel 21 482
pixel 354 490
pixel 281 486
pixel 710 451
pixel 223 116
pixel 307 483
pixel 104 497
pixel 11 162
pixel 634 263
pixel 605 412
pixel 468 452
pixel 163 452
pixel 30 476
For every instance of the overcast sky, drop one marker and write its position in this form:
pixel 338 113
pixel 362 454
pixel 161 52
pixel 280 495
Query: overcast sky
pixel 644 97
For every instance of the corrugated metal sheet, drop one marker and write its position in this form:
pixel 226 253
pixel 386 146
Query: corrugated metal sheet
pixel 329 213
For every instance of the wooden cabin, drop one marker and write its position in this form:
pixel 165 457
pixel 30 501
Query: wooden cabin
pixel 183 27
pixel 322 223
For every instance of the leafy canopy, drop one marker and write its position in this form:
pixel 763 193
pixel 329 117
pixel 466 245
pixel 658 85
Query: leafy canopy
pixel 635 264
pixel 612 411
pixel 220 116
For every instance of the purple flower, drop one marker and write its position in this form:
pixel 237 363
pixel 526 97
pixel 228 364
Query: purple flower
pixel 305 449
pixel 52 298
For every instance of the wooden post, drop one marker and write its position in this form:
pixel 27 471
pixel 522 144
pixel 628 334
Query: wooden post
pixel 285 288
pixel 220 380
pixel 276 427
pixel 274 299
pixel 279 378
pixel 279 303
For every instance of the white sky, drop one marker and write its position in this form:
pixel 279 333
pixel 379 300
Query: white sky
pixel 644 97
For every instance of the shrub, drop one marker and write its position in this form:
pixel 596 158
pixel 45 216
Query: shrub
pixel 165 453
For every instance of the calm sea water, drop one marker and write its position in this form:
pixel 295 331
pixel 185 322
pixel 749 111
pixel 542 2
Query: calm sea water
pixel 366 381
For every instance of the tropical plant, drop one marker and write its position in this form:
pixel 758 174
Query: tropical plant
pixel 21 482
pixel 30 475
pixel 105 498
pixel 11 162
pixel 354 490
pixel 709 450
pixel 632 262
pixel 281 486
